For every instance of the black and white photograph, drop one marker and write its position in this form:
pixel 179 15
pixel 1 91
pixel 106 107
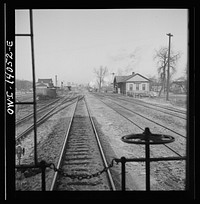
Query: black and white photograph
pixel 101 99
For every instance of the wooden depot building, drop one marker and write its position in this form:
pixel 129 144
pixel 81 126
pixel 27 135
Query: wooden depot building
pixel 134 84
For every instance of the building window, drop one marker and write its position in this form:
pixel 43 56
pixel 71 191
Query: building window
pixel 131 87
pixel 137 86
pixel 143 87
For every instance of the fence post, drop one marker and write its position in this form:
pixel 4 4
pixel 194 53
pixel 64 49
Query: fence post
pixel 43 168
pixel 147 154
pixel 123 161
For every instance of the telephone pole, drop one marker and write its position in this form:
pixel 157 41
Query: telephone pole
pixel 168 70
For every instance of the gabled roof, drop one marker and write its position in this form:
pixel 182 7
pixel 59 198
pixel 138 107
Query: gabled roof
pixel 120 79
pixel 45 81
pixel 139 75
pixel 41 84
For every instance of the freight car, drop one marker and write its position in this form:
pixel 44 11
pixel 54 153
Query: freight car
pixel 45 93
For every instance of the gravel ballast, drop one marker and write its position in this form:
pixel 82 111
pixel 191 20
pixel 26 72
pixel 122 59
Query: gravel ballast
pixel 111 127
pixel 164 175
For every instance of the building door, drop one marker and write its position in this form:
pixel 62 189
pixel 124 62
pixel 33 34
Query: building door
pixel 143 87
pixel 137 87
pixel 131 87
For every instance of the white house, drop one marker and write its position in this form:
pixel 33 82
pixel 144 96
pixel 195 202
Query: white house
pixel 132 84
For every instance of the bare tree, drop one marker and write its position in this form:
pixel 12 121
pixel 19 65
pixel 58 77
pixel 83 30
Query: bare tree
pixel 161 57
pixel 100 74
pixel 152 78
pixel 185 72
pixel 184 79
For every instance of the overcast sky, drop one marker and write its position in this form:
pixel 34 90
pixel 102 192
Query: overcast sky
pixel 71 43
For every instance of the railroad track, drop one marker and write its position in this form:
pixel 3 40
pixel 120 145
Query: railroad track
pixel 172 147
pixel 147 118
pixel 82 164
pixel 169 175
pixel 46 106
pixel 45 116
pixel 41 109
pixel 167 110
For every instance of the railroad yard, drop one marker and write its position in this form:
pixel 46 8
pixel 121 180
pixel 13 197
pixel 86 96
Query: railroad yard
pixel 78 127
pixel 99 109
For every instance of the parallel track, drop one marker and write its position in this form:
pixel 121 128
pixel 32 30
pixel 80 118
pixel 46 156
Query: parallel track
pixel 82 154
pixel 160 108
pixel 26 117
pixel 130 110
pixel 124 108
pixel 48 114
pixel 45 106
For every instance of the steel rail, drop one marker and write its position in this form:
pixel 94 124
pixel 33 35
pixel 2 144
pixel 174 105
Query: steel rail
pixel 150 120
pixel 42 119
pixel 166 108
pixel 139 127
pixel 63 148
pixel 146 103
pixel 100 148
pixel 38 111
pixel 152 106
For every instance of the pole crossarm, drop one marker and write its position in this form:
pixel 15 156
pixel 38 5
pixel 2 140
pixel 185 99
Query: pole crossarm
pixel 170 35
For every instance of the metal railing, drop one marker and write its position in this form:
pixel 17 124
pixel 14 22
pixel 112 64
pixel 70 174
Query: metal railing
pixel 147 139
pixel 36 164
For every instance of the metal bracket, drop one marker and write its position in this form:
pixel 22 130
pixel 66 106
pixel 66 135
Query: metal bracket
pixel 147 139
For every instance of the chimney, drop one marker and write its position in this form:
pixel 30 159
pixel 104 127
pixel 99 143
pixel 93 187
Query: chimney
pixel 56 80
pixel 133 73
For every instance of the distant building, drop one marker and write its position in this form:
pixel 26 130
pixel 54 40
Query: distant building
pixel 45 83
pixel 155 86
pixel 132 84
pixel 178 86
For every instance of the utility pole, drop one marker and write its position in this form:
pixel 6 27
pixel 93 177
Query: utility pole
pixel 168 70
pixel 113 81
pixel 113 77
